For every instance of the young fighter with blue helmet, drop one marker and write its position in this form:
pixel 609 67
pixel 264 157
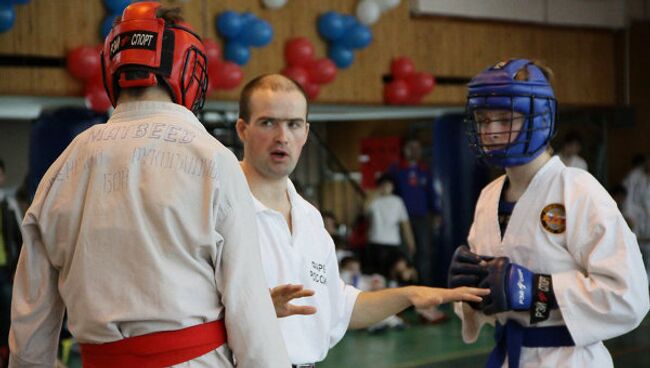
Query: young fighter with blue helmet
pixel 562 265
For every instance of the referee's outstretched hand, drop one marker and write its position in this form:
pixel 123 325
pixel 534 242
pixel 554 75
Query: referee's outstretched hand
pixel 424 297
pixel 283 294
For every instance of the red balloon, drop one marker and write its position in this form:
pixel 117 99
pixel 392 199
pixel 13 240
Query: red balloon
pixel 402 67
pixel 97 99
pixel 83 62
pixel 93 83
pixel 298 51
pixel 420 83
pixel 322 71
pixel 312 90
pixel 212 50
pixel 396 92
pixel 297 74
pixel 210 86
pixel 227 76
pixel 413 99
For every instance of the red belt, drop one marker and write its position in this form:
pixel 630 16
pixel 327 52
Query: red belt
pixel 159 349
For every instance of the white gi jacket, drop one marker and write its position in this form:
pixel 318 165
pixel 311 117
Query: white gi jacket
pixel 143 224
pixel 305 256
pixel 598 276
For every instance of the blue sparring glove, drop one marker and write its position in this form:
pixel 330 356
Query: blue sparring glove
pixel 514 287
pixel 464 269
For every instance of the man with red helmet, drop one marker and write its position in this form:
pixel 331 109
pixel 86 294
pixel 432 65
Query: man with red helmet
pixel 143 230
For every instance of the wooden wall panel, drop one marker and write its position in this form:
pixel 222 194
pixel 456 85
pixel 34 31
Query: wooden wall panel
pixel 584 60
pixel 344 138
pixel 626 142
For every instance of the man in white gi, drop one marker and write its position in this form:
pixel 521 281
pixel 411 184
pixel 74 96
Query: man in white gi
pixel 562 265
pixel 637 206
pixel 143 230
pixel 297 251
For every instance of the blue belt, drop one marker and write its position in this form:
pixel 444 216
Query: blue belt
pixel 511 337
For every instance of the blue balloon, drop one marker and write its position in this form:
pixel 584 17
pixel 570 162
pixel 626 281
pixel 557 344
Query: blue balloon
pixel 4 3
pixel 229 24
pixel 116 6
pixel 107 24
pixel 342 56
pixel 247 17
pixel 236 52
pixel 357 37
pixel 349 21
pixel 7 18
pixel 258 33
pixel 331 26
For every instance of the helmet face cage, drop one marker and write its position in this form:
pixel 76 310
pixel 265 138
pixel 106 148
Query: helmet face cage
pixel 523 144
pixel 174 57
pixel 530 101
pixel 195 75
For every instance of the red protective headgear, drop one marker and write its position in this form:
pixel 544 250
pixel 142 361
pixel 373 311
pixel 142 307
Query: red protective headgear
pixel 142 46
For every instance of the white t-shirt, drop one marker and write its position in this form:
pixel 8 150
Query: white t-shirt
pixel 305 256
pixel 386 214
pixel 143 224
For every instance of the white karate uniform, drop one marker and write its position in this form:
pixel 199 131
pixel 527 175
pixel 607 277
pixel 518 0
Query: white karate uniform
pixel 637 208
pixel 143 224
pixel 597 272
pixel 305 256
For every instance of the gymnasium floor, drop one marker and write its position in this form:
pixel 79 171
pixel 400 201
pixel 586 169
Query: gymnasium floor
pixel 426 346
pixel 420 346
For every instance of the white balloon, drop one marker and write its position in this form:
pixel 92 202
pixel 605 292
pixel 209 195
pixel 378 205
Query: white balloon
pixel 368 12
pixel 385 5
pixel 274 4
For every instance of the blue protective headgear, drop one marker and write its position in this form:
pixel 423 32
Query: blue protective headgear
pixel 497 89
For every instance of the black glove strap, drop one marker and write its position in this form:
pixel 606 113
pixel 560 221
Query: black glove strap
pixel 543 298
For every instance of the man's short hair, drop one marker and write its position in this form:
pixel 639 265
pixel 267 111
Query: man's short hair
pixel 385 178
pixel 2 165
pixel 572 137
pixel 274 82
pixel 348 260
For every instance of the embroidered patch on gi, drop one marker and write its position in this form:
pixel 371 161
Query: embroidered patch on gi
pixel 553 218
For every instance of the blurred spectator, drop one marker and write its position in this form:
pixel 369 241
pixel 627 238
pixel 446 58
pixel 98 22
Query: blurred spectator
pixel 414 184
pixel 387 215
pixel 570 151
pixel 332 227
pixel 10 243
pixel 637 204
pixel 350 271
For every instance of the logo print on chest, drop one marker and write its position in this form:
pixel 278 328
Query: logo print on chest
pixel 553 218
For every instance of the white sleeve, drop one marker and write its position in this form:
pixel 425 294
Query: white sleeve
pixel 253 330
pixel 472 321
pixel 403 214
pixel 37 308
pixel 608 296
pixel 342 296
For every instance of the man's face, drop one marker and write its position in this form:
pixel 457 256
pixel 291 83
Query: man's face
pixel 412 151
pixel 498 128
pixel 276 132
